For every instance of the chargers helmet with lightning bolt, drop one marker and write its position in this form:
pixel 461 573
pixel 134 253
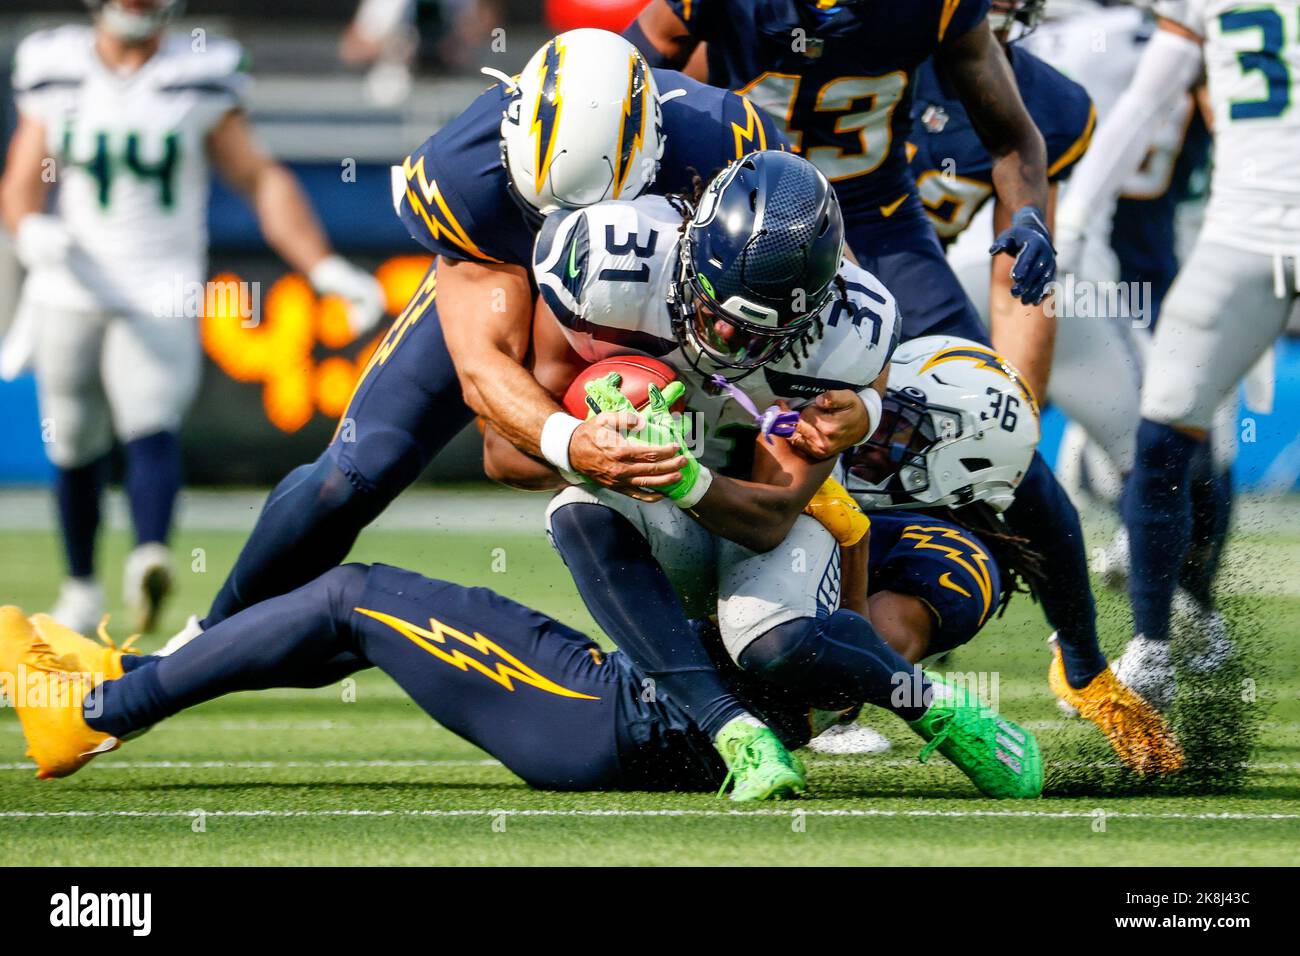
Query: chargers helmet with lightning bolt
pixel 757 260
pixel 583 123
pixel 959 425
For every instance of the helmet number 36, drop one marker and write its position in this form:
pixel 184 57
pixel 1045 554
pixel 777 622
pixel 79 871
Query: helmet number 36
pixel 861 106
pixel 1003 409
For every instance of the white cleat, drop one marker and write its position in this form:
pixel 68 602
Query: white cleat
pixel 1200 633
pixel 182 637
pixel 850 739
pixel 1112 562
pixel 80 606
pixel 1146 668
pixel 146 582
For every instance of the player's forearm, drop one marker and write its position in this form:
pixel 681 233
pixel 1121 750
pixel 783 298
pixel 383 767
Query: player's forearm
pixel 756 515
pixel 984 82
pixel 1024 334
pixel 504 463
pixel 1020 174
pixel 287 219
pixel 19 199
pixel 23 190
pixel 505 393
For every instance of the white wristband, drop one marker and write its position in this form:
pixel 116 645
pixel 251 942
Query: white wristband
pixel 875 409
pixel 698 490
pixel 556 435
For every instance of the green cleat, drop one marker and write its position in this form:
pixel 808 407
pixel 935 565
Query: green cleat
pixel 1000 757
pixel 759 764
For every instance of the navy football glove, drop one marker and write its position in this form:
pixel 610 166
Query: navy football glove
pixel 1029 241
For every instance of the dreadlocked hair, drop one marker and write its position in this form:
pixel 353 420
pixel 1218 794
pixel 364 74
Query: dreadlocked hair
pixel 688 200
pixel 818 327
pixel 1022 567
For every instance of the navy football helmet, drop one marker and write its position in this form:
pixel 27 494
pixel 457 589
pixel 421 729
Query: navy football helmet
pixel 757 260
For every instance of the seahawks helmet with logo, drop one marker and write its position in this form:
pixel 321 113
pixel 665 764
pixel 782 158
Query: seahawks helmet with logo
pixel 583 124
pixel 959 425
pixel 757 261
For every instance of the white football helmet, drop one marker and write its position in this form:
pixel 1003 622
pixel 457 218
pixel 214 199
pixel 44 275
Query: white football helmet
pixel 584 123
pixel 134 25
pixel 959 426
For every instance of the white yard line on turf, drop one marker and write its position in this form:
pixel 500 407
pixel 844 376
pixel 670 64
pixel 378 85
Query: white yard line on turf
pixel 829 761
pixel 956 814
pixel 419 510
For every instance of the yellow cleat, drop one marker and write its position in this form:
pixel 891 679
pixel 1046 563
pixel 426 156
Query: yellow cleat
pixel 47 690
pixel 838 513
pixel 1140 736
pixel 80 653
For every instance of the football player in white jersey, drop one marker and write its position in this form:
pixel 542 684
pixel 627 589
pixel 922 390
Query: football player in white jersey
pixel 126 120
pixel 1139 243
pixel 1232 297
pixel 746 295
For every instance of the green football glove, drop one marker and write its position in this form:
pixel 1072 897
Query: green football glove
pixel 664 428
pixel 605 395
pixel 659 427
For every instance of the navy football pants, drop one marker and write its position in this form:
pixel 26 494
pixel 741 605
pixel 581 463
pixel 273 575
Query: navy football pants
pixel 530 691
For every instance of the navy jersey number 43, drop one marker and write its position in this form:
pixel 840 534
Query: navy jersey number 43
pixel 840 80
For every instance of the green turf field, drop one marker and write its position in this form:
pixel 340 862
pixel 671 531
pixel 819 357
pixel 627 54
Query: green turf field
pixel 348 776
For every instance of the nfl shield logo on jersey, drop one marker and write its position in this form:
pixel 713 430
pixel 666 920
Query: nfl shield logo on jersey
pixel 935 118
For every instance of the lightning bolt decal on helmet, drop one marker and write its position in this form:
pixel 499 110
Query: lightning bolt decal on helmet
pixel 583 124
pixel 958 425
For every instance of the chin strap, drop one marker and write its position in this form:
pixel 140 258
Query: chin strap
pixel 771 421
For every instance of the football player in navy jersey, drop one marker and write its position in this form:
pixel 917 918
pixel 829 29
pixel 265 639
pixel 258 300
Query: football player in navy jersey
pixel 804 63
pixel 840 77
pixel 474 194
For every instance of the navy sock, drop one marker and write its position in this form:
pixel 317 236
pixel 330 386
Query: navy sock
pixel 603 550
pixel 132 661
pixel 153 480
pixel 838 661
pixel 1043 515
pixel 1157 512
pixel 272 644
pixel 307 526
pixel 1211 490
pixel 77 493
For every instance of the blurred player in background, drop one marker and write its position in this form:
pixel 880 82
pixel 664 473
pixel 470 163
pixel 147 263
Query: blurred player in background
pixel 1139 245
pixel 127 119
pixel 1231 299
pixel 954 177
